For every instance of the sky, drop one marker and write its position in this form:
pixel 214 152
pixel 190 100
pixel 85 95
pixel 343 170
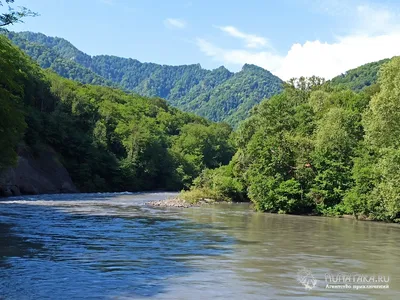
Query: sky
pixel 290 38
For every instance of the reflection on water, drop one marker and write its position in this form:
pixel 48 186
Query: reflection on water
pixel 111 246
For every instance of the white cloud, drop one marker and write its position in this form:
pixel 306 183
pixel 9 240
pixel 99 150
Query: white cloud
pixel 313 57
pixel 251 40
pixel 328 60
pixel 232 57
pixel 175 23
pixel 376 36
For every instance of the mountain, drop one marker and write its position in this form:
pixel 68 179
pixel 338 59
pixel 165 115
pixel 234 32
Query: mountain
pixel 359 78
pixel 219 95
pixel 47 53
pixel 239 93
pixel 57 135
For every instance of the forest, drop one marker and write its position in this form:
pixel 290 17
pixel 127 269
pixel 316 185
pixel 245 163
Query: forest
pixel 109 140
pixel 318 148
pixel 218 95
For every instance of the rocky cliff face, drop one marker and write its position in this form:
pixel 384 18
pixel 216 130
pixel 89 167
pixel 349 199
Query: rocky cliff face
pixel 42 173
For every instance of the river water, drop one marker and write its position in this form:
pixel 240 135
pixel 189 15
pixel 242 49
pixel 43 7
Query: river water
pixel 112 246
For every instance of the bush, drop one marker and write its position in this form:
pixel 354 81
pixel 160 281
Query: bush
pixel 218 184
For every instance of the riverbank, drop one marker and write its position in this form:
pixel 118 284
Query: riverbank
pixel 179 203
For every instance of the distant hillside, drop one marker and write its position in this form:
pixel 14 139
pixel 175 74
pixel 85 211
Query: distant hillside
pixel 233 99
pixel 361 77
pixel 219 94
pixel 51 57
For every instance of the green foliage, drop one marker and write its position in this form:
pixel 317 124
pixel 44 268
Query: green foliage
pixel 142 143
pixel 318 149
pixel 359 78
pixel 22 84
pixel 300 153
pixel 333 149
pixel 376 172
pixel 231 100
pixel 108 140
pixel 49 57
pixel 199 146
pixel 217 184
pixel 12 15
pixel 218 95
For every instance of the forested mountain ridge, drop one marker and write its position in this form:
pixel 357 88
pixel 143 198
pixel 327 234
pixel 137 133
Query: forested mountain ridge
pixel 241 93
pixel 107 139
pixel 359 78
pixel 48 57
pixel 218 94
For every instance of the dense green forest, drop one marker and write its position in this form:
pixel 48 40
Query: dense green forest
pixel 318 148
pixel 218 95
pixel 108 140
pixel 359 78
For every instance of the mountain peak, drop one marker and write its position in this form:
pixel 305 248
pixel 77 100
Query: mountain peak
pixel 222 69
pixel 252 68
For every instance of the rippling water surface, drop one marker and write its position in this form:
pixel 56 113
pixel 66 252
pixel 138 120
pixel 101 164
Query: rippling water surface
pixel 111 246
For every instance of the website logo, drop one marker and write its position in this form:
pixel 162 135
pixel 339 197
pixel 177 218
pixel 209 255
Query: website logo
pixel 306 278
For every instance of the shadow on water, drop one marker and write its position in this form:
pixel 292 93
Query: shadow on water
pixel 12 245
pixel 66 251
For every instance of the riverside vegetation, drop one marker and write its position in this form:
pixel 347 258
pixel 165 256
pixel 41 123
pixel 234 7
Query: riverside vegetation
pixel 317 147
pixel 108 140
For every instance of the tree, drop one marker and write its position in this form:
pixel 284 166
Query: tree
pixel 382 119
pixel 14 16
pixel 199 146
pixel 334 145
pixel 376 171
pixel 12 122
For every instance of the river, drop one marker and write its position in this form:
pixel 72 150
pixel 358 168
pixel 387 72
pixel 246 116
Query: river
pixel 112 246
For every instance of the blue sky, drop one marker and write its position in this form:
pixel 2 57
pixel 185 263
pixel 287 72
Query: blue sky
pixel 288 37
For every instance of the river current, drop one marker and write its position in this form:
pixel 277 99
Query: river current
pixel 113 246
